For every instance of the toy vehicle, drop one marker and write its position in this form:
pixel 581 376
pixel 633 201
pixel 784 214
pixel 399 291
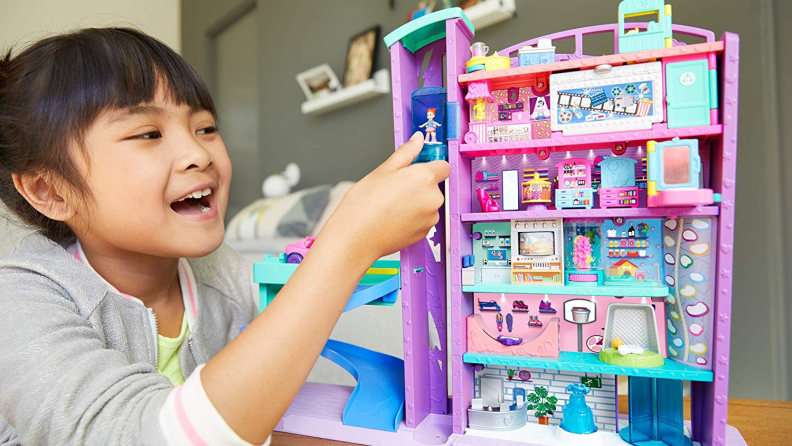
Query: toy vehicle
pixel 295 252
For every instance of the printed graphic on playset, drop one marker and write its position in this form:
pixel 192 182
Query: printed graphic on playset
pixel 581 244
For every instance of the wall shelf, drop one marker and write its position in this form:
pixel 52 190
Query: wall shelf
pixel 629 213
pixel 378 85
pixel 570 290
pixel 490 12
pixel 590 363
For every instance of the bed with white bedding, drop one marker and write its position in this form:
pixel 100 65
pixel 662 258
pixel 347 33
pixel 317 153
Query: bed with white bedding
pixel 268 225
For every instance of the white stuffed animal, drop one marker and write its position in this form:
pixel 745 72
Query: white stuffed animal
pixel 280 184
pixel 625 350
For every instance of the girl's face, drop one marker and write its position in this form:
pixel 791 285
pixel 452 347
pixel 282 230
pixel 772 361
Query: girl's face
pixel 430 115
pixel 142 163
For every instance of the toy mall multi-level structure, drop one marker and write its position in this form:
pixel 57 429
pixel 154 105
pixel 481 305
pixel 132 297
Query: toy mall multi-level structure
pixel 589 235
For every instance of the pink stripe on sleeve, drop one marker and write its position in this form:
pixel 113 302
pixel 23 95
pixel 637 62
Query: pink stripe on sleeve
pixel 184 421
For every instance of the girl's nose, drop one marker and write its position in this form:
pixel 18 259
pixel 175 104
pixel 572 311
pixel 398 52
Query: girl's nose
pixel 194 156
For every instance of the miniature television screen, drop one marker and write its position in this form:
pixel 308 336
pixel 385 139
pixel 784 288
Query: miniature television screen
pixel 676 165
pixel 537 243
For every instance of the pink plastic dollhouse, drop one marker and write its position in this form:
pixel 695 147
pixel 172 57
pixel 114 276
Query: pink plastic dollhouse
pixel 555 332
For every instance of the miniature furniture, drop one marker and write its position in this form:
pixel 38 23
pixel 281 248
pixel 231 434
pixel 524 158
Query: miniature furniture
pixel 574 184
pixel 617 189
pixel 583 253
pixel 673 172
pixel 538 257
pixel 633 325
pixel 536 193
pixel 657 34
pixel 543 52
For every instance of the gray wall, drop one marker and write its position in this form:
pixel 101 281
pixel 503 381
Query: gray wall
pixel 298 34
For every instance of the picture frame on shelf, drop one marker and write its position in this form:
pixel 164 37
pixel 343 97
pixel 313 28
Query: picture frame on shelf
pixel 361 56
pixel 318 81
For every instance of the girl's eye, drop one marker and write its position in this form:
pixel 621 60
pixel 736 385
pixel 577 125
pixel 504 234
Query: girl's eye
pixel 207 130
pixel 156 134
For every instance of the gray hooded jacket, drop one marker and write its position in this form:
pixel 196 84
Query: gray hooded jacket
pixel 78 361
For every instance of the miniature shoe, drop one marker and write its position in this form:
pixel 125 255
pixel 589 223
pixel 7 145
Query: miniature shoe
pixel 546 307
pixel 519 305
pixel 486 202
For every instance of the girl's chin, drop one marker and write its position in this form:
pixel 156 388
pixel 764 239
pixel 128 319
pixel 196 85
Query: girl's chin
pixel 203 244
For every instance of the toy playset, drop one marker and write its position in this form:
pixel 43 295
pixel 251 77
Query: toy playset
pixel 590 232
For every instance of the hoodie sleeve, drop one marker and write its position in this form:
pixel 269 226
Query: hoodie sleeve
pixel 61 384
pixel 189 418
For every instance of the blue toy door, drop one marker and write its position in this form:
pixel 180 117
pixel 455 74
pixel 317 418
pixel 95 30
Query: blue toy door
pixel 670 418
pixel 687 95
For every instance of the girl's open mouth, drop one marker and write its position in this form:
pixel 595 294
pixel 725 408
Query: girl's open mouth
pixel 198 205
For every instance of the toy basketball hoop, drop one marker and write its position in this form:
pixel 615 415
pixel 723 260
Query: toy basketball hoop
pixel 580 312
pixel 580 315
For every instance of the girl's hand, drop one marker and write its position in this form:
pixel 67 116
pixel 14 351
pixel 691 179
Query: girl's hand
pixel 394 206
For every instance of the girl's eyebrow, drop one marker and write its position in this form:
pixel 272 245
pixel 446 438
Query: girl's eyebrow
pixel 141 109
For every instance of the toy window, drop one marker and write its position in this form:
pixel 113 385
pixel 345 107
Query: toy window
pixel 676 165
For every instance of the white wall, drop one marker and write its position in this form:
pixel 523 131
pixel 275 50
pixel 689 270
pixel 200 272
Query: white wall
pixel 25 21
pixel 22 22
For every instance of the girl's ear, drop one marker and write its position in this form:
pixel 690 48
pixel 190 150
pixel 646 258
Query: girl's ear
pixel 41 191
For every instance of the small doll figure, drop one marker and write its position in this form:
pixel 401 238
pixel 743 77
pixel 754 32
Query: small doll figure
pixel 478 109
pixel 431 126
pixel 540 109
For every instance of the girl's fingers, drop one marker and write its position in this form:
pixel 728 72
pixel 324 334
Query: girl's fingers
pixel 404 155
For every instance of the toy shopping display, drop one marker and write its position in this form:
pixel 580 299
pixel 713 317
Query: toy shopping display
pixel 589 236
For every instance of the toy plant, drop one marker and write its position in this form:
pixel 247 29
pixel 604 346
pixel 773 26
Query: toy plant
pixel 581 254
pixel 510 372
pixel 542 404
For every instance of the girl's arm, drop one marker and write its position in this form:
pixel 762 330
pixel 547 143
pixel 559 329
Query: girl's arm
pixel 252 381
pixel 423 125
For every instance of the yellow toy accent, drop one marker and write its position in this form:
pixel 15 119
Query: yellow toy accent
pixel 383 271
pixel 479 109
pixel 617 342
pixel 491 63
pixel 651 186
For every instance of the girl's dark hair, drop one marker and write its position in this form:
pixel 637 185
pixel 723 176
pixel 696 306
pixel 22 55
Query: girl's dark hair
pixel 52 91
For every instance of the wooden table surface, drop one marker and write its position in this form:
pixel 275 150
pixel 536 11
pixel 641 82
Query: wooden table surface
pixel 761 423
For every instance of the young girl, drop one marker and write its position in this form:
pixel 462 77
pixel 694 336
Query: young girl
pixel 120 317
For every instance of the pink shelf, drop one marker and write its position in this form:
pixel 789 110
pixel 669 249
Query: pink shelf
pixel 659 131
pixel 698 211
pixel 518 76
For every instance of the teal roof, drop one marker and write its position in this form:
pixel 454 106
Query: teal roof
pixel 422 31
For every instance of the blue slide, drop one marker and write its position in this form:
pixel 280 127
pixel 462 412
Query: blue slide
pixel 378 399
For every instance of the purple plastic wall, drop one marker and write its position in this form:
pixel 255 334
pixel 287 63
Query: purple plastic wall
pixel 458 41
pixel 423 278
pixel 709 402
